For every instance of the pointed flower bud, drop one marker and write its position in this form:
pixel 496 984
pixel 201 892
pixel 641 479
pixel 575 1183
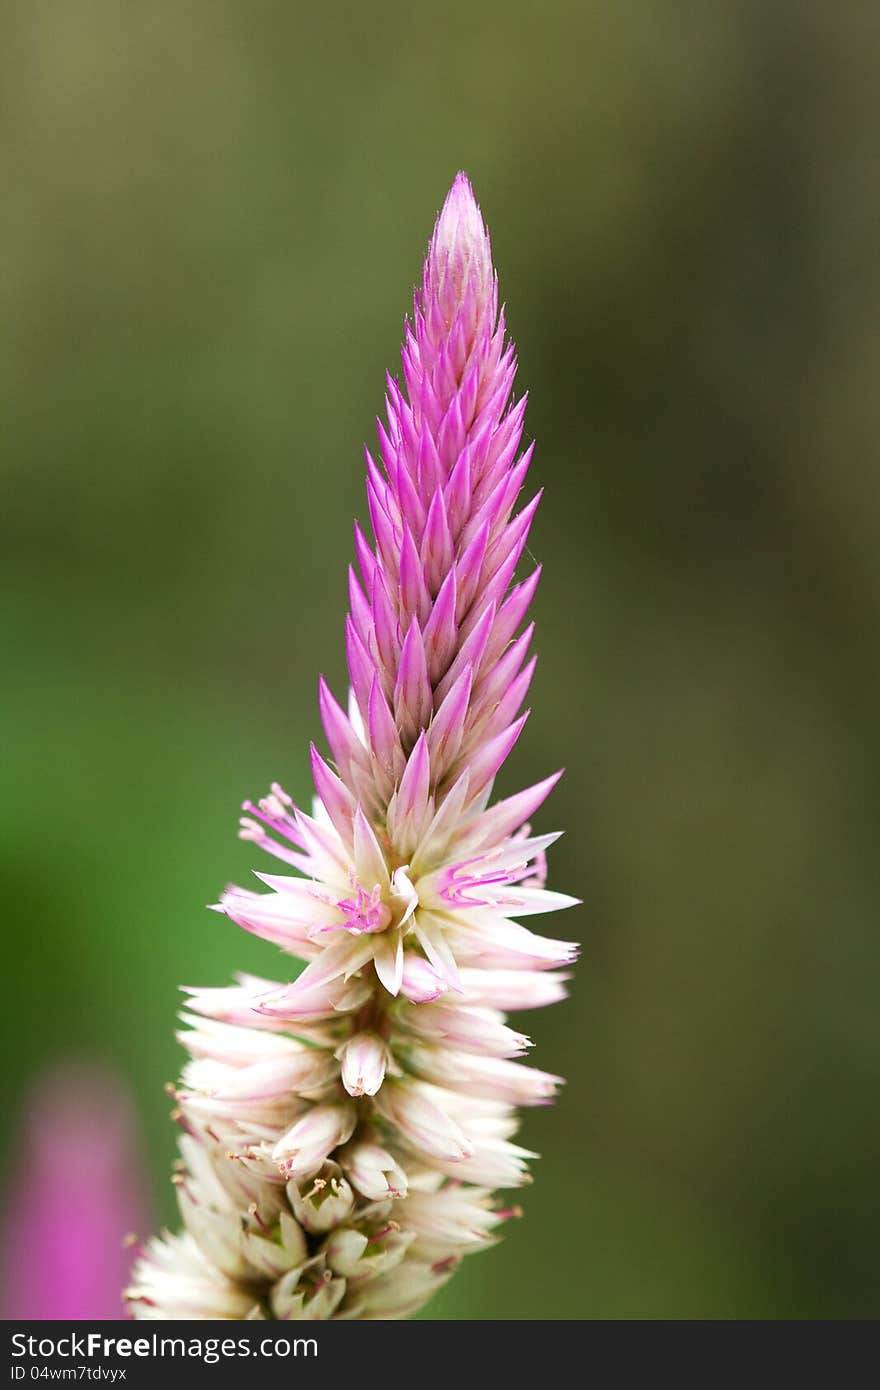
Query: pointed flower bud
pixel 364 1060
pixel 458 272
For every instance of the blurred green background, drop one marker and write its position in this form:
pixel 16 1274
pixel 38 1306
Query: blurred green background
pixel 213 217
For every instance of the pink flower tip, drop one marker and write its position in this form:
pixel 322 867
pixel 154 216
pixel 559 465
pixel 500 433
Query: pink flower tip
pixel 459 264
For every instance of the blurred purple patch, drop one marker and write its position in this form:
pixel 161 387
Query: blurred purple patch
pixel 75 1193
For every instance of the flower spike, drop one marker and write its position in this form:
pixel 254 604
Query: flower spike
pixel 344 1135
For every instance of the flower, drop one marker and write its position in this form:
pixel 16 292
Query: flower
pixel 344 1134
pixel 76 1197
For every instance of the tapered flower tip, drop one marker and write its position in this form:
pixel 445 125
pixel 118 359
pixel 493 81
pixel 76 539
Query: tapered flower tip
pixel 459 264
